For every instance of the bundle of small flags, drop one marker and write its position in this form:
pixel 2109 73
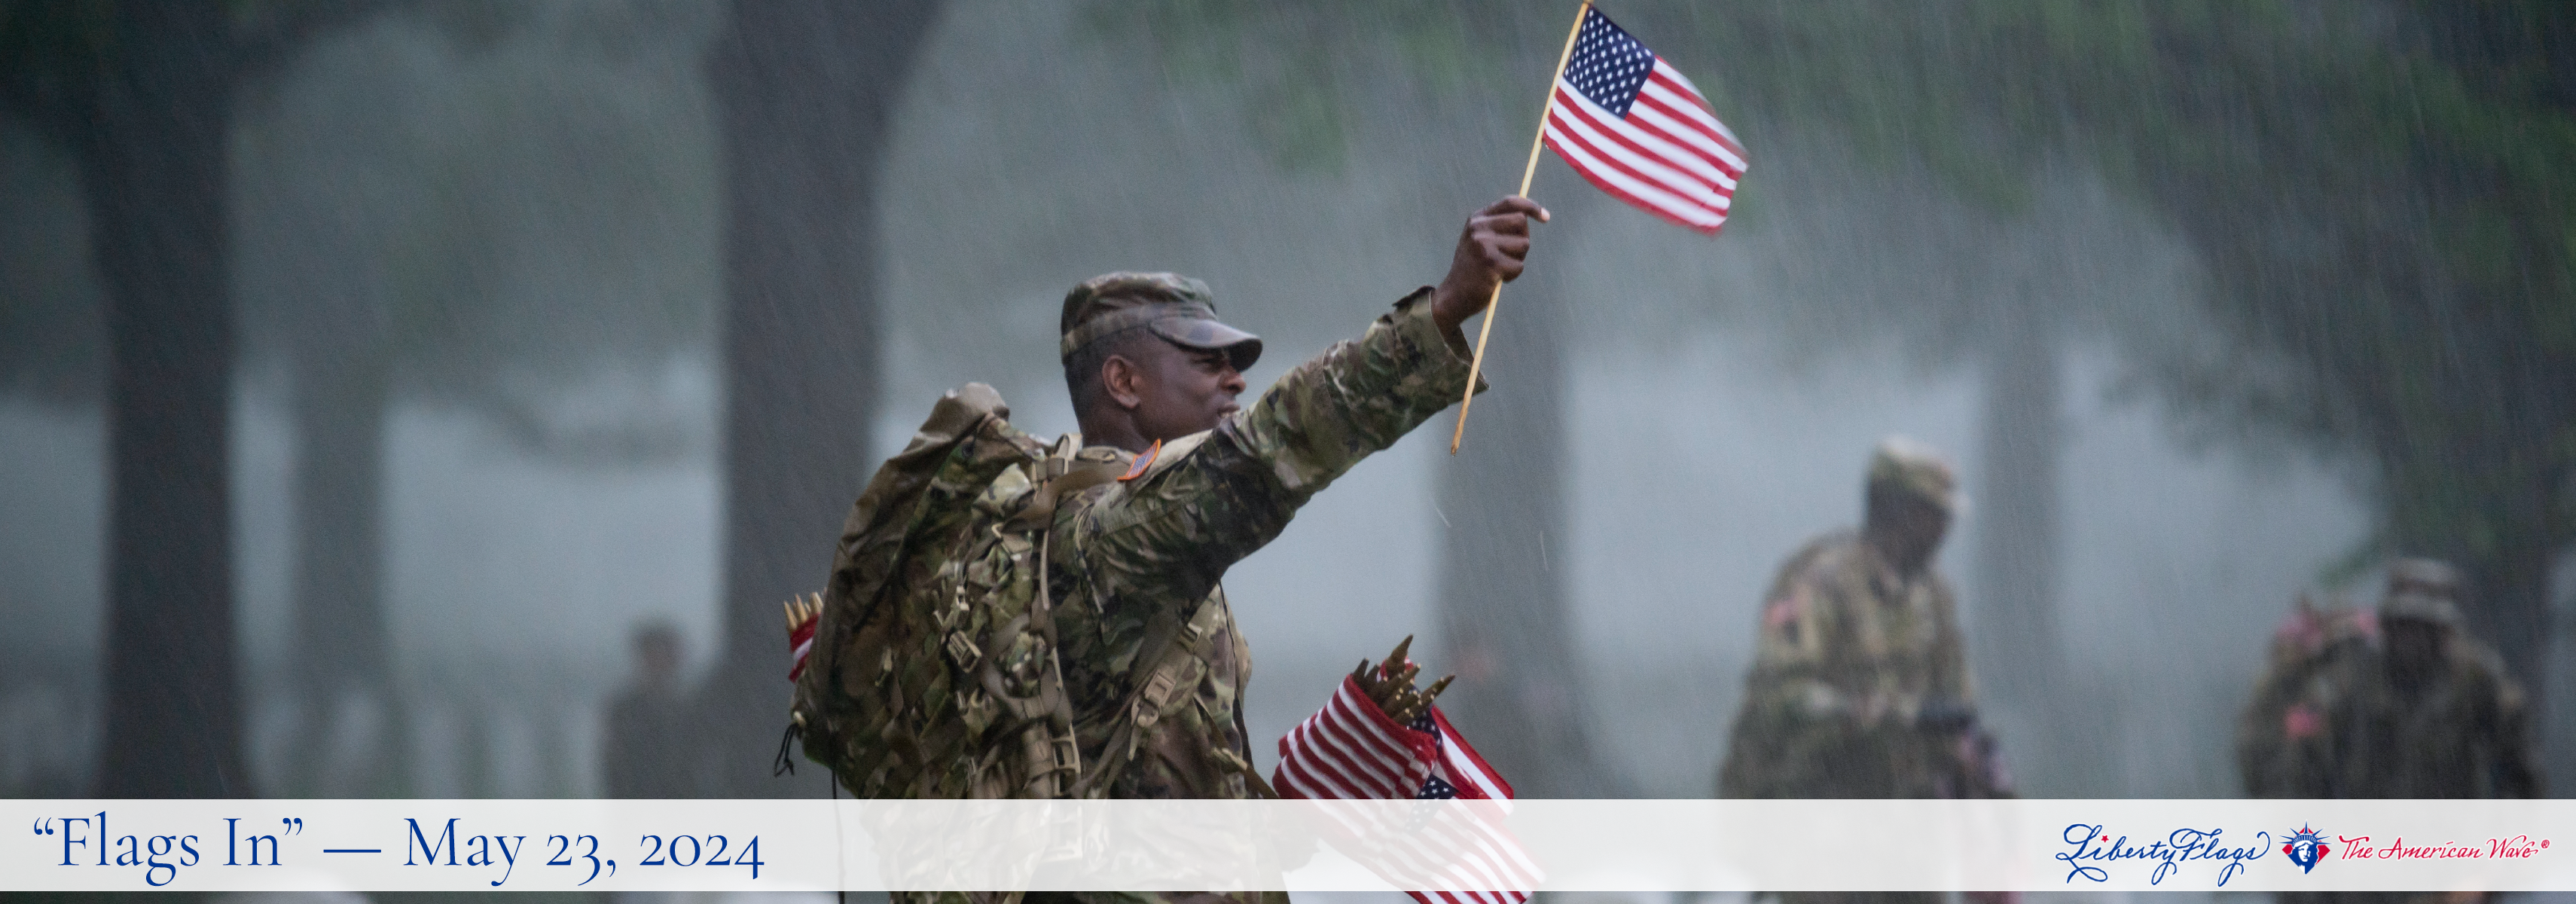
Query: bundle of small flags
pixel 1353 750
pixel 804 614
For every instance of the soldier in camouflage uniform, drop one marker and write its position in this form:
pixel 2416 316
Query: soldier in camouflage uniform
pixel 642 754
pixel 1135 562
pixel 2403 705
pixel 1859 686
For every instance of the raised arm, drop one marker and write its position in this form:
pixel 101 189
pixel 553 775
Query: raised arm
pixel 1212 498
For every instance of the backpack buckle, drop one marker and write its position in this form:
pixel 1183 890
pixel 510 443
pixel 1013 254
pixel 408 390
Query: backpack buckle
pixel 962 651
pixel 1068 762
pixel 1059 460
pixel 1158 691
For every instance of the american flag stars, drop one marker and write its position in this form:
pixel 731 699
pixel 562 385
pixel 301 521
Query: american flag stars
pixel 1608 66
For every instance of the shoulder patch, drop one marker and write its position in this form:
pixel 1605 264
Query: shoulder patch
pixel 1164 456
pixel 1143 461
pixel 1106 505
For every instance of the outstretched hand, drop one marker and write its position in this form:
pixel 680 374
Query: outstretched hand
pixel 1490 252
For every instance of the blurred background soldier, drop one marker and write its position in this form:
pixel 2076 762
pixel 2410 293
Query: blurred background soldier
pixel 2403 705
pixel 645 753
pixel 1859 686
pixel 2439 717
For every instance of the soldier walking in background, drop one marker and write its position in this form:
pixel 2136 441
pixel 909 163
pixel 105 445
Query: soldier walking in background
pixel 2400 703
pixel 646 753
pixel 1859 686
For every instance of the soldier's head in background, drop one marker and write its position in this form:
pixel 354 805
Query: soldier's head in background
pixel 2418 614
pixel 1146 359
pixel 657 652
pixel 1912 495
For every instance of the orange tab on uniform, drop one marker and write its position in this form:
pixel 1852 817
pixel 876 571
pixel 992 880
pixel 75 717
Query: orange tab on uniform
pixel 1143 461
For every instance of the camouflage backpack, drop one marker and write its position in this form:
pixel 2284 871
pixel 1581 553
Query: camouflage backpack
pixel 2280 736
pixel 934 670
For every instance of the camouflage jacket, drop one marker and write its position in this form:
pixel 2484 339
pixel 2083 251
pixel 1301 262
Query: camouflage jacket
pixel 2464 732
pixel 1849 653
pixel 1150 547
pixel 2328 720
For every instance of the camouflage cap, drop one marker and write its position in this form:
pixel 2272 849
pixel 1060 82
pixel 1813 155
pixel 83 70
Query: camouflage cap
pixel 1175 307
pixel 1907 465
pixel 2422 590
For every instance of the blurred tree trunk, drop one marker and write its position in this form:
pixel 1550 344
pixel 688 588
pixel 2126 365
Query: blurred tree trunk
pixel 142 94
pixel 153 167
pixel 2020 651
pixel 2016 518
pixel 1503 563
pixel 341 673
pixel 808 90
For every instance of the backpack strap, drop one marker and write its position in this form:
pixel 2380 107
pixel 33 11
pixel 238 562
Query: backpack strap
pixel 1144 705
pixel 1062 475
pixel 1055 768
pixel 1241 760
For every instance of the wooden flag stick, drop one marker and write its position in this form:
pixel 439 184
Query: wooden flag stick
pixel 1538 142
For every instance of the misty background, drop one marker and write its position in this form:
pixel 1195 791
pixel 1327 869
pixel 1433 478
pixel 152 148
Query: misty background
pixel 478 272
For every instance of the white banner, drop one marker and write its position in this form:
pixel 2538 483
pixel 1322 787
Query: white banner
pixel 1647 845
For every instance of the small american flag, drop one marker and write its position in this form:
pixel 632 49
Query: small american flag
pixel 1639 130
pixel 803 617
pixel 1353 751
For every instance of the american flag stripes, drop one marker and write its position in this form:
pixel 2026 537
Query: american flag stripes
pixel 1454 854
pixel 804 616
pixel 1637 129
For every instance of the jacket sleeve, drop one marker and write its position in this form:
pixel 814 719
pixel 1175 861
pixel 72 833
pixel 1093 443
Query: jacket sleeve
pixel 2517 770
pixel 1162 539
pixel 1795 644
pixel 1776 718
